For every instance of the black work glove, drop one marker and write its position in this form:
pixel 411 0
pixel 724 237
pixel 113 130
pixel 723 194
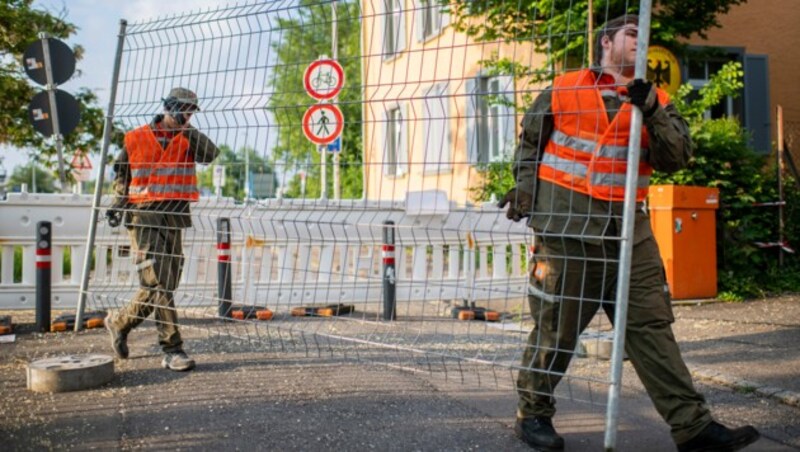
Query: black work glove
pixel 116 213
pixel 521 204
pixel 642 93
pixel 114 217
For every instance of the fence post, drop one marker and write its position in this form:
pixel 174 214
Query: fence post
pixel 389 275
pixel 43 275
pixel 224 274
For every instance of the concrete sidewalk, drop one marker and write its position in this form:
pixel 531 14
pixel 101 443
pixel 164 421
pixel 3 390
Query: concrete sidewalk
pixel 246 399
pixel 748 346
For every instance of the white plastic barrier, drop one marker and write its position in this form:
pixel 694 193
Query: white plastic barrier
pixel 290 252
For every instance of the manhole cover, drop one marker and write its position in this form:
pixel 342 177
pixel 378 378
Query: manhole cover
pixel 70 373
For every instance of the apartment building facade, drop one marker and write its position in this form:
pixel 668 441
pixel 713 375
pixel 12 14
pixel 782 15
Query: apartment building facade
pixel 433 112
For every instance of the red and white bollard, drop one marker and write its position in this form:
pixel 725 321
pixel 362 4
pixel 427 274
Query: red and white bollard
pixel 44 253
pixel 389 274
pixel 224 274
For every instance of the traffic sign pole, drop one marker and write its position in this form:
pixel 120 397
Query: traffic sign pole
pixel 337 191
pixel 51 93
pixel 323 179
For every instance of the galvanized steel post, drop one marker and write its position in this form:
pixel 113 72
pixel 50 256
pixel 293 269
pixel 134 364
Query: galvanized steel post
pixel 108 130
pixel 626 237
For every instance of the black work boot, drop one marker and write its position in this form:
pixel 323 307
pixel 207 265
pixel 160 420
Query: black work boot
pixel 119 340
pixel 177 361
pixel 718 438
pixel 538 432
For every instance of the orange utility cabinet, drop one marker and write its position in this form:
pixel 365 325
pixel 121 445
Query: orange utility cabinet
pixel 684 223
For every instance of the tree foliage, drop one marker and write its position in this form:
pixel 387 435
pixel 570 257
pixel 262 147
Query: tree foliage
pixel 20 24
pixel 236 167
pixel 25 174
pixel 305 36
pixel 557 28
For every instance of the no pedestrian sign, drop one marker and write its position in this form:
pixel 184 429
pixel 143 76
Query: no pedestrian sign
pixel 323 79
pixel 323 123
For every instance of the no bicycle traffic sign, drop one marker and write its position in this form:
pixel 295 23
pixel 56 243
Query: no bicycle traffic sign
pixel 323 79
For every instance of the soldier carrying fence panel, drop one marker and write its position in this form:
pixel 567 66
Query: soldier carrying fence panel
pixel 570 169
pixel 155 182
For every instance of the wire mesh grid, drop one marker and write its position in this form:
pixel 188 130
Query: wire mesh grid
pixel 433 108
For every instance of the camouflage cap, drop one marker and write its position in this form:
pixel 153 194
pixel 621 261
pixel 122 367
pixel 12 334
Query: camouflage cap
pixel 184 96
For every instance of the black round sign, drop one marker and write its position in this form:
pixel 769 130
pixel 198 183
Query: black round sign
pixel 69 113
pixel 62 61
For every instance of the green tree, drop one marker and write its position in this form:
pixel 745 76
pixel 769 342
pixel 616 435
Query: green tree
pixel 557 27
pixel 20 24
pixel 235 171
pixel 306 35
pixel 25 174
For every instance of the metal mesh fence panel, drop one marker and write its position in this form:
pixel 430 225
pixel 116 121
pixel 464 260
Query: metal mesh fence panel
pixel 434 108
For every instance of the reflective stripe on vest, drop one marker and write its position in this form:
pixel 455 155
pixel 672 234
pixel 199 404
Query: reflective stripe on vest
pixel 589 146
pixel 160 189
pixel 159 174
pixel 175 171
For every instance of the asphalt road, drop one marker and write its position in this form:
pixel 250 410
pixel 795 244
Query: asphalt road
pixel 243 398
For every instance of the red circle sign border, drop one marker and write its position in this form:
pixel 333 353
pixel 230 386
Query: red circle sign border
pixel 307 82
pixel 339 124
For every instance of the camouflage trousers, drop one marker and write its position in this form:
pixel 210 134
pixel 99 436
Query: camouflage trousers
pixel 570 281
pixel 158 256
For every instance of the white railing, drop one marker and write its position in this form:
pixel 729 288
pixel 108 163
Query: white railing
pixel 289 252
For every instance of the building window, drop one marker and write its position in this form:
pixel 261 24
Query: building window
pixel 429 19
pixel 396 155
pixel 436 129
pixel 752 108
pixel 491 119
pixel 700 70
pixel 393 28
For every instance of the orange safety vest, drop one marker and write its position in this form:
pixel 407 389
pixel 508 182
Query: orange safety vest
pixel 585 153
pixel 159 174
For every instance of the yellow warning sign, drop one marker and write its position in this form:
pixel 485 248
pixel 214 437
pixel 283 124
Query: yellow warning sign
pixel 663 69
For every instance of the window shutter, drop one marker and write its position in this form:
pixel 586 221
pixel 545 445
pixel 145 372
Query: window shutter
pixel 509 119
pixel 428 126
pixel 400 16
pixel 446 154
pixel 433 134
pixel 471 100
pixel 402 152
pixel 388 167
pixel 385 10
pixel 756 102
pixel 419 23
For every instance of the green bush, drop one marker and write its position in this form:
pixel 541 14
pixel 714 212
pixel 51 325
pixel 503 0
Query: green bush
pixel 496 180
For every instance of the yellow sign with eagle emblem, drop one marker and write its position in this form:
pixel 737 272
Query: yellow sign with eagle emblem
pixel 663 69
